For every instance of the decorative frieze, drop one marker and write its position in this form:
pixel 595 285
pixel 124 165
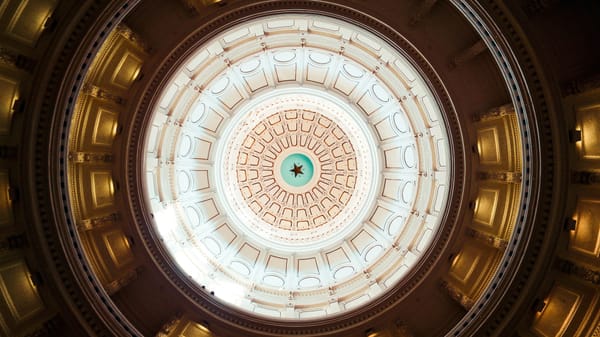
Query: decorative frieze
pixel 496 112
pixel 97 92
pixel 126 279
pixel 89 224
pixel 15 60
pixel 7 57
pixel 582 85
pixel 132 37
pixel 13 242
pixel 579 271
pixel 585 177
pixel 507 177
pixel 90 157
pixel 457 295
pixel 488 239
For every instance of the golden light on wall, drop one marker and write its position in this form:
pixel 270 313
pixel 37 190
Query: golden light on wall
pixel 95 124
pixel 29 19
pixel 495 207
pixel 127 70
pixel 472 267
pixel 488 145
pixel 485 206
pixel 554 319
pixel 464 264
pixel 93 189
pixel 9 94
pixel 118 247
pixel 497 138
pixel 105 127
pixel 103 188
pixel 194 329
pixel 136 73
pixel 588 128
pixel 118 63
pixel 19 293
pixel 5 201
pixel 585 238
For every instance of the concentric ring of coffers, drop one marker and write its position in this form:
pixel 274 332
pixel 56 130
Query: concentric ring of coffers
pixel 271 181
pixel 193 150
pixel 300 120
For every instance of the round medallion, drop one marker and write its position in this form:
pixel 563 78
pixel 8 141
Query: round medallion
pixel 296 169
pixel 322 132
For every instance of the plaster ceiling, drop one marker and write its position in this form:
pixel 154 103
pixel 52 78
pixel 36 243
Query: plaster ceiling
pixel 296 85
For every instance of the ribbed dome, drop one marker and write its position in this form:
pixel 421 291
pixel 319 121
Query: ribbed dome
pixel 223 184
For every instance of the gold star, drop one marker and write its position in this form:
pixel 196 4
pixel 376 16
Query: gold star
pixel 297 170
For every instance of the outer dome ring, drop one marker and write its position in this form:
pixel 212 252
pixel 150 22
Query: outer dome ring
pixel 359 230
pixel 453 209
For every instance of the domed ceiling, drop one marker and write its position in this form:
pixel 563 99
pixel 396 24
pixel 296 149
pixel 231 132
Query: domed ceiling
pixel 301 165
pixel 289 178
pixel 278 168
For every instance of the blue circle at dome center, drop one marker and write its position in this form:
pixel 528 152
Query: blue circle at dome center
pixel 297 169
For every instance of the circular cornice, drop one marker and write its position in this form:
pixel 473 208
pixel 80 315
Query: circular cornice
pixel 56 226
pixel 530 236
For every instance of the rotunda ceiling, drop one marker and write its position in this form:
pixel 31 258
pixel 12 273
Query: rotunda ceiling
pixel 297 174
pixel 286 177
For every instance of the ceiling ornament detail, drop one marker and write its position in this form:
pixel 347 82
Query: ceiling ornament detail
pixel 296 170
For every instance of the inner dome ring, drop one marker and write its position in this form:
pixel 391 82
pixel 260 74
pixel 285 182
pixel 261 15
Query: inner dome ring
pixel 318 230
pixel 296 163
